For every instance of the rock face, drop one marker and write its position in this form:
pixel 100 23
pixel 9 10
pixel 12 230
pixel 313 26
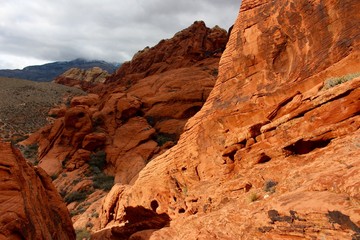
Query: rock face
pixel 83 79
pixel 124 125
pixel 30 205
pixel 274 152
pixel 185 49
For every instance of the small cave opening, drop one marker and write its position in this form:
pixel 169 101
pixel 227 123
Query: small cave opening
pixel 181 210
pixel 81 115
pixel 154 205
pixel 188 113
pixel 303 147
pixel 263 159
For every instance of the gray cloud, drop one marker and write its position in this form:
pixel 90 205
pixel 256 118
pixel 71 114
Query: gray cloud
pixel 37 31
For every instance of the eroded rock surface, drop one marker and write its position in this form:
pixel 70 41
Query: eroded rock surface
pixel 30 206
pixel 83 79
pixel 273 154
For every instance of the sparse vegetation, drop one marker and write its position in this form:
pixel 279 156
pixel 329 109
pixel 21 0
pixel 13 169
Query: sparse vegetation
pixel 80 209
pixel 82 234
pixel 75 197
pixel 254 197
pixel 97 163
pixel 30 153
pixel 332 82
pixel 95 214
pixel 270 186
pixel 103 181
pixel 54 176
pixel 162 138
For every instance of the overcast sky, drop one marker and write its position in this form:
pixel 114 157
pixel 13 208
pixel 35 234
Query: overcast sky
pixel 38 31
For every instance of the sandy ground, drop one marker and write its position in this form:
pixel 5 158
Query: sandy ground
pixel 24 105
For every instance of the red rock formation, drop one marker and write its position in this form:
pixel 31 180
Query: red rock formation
pixel 186 48
pixel 83 79
pixel 129 123
pixel 30 206
pixel 272 154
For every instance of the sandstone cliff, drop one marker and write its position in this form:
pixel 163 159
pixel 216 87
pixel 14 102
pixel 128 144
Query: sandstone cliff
pixel 30 206
pixel 110 135
pixel 274 152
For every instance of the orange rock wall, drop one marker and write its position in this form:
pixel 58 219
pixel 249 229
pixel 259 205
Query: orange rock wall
pixel 272 154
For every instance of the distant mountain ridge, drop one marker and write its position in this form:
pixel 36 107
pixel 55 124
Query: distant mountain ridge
pixel 47 72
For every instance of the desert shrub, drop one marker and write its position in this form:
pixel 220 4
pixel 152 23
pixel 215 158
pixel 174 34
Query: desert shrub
pixel 162 138
pixel 332 82
pixel 98 160
pixel 95 214
pixel 89 225
pixel 63 193
pixel 75 197
pixel 269 186
pixel 54 176
pixel 30 153
pixel 103 181
pixel 254 197
pixel 82 234
pixel 215 72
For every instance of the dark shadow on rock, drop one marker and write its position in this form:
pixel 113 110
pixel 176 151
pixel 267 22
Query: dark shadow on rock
pixel 139 219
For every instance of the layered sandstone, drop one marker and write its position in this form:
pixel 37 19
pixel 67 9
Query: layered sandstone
pixel 273 154
pixel 30 206
pixel 81 78
pixel 119 128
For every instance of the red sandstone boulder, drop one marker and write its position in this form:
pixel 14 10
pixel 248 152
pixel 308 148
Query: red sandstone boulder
pixel 30 206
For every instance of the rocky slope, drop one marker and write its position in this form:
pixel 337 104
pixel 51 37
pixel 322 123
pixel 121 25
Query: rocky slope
pixel 274 152
pixel 24 105
pixel 111 134
pixel 30 206
pixel 47 72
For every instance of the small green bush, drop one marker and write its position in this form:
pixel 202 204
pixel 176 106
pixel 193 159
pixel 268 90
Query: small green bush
pixel 54 176
pixel 75 197
pixel 270 186
pixel 103 181
pixel 162 138
pixel 98 160
pixel 332 82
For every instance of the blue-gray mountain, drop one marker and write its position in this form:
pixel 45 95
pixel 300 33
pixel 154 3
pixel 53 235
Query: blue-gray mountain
pixel 47 72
